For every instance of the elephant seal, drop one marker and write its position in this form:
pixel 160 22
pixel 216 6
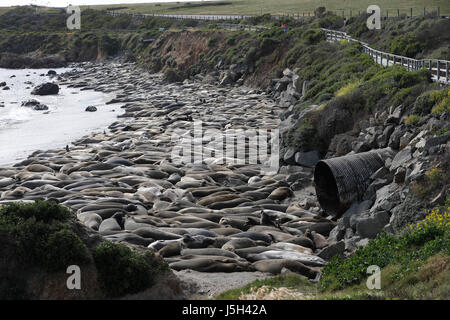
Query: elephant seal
pixel 171 250
pixel 239 243
pixel 275 266
pixel 210 252
pixel 267 238
pixel 205 264
pixel 291 246
pixel 281 193
pixel 301 241
pixel 130 238
pixel 109 224
pixel 244 252
pixel 155 233
pixel 307 259
pixel 225 231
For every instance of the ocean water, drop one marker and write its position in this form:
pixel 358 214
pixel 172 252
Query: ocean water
pixel 24 130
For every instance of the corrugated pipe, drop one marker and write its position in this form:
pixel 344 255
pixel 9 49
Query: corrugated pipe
pixel 341 181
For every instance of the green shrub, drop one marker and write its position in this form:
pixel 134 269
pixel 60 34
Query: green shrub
pixel 313 36
pixel 64 249
pixel 41 235
pixel 436 101
pixel 412 119
pixel 409 249
pixel 171 75
pixel 122 271
pixel 407 45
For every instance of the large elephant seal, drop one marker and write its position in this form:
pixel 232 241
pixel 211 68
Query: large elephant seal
pixel 209 264
pixel 240 243
pixel 291 246
pixel 307 259
pixel 210 252
pixel 275 266
pixel 171 250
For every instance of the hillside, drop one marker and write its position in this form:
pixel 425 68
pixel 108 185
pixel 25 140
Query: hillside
pixel 335 101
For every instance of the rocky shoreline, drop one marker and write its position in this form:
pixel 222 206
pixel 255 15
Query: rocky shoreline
pixel 206 216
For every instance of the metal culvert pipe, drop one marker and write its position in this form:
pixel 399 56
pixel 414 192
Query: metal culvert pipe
pixel 341 181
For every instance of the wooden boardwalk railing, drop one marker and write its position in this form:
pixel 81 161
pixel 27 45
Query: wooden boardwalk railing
pixel 439 68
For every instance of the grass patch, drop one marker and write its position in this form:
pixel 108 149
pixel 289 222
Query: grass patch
pixel 291 281
pixel 412 119
pixel 348 88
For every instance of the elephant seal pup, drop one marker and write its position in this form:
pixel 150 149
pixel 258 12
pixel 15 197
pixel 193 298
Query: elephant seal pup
pixel 240 243
pixel 290 246
pixel 109 224
pixel 244 252
pixel 90 219
pixel 301 241
pixel 255 236
pixel 281 193
pixel 275 266
pixel 159 244
pixel 155 233
pixel 210 252
pixel 173 249
pixel 225 231
pixel 307 259
pixel 130 238
pixel 211 265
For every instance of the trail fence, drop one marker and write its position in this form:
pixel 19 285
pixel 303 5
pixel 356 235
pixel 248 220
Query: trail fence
pixel 439 68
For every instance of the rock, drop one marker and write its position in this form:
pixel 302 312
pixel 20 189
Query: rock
pixel 289 156
pixel 307 159
pixel 36 105
pixel 46 89
pixel 401 158
pixel 337 233
pixel 229 77
pixel 2 84
pixel 435 141
pixel 91 109
pixel 387 198
pixel 51 73
pixel 399 176
pixel 394 140
pixel 355 210
pixel 370 226
pixel 5 88
pixel 395 116
pixel 334 249
pixel 373 187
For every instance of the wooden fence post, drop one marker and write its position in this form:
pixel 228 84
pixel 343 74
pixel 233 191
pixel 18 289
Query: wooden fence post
pixel 424 12
pixel 439 12
pixel 411 13
pixel 446 72
pixel 438 71
pixel 398 13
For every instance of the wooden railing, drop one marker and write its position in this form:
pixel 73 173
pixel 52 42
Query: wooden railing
pixel 439 68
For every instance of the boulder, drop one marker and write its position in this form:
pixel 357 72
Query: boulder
pixel 369 227
pixel 307 159
pixel 2 84
pixel 334 249
pixel 46 89
pixel 91 109
pixel 401 158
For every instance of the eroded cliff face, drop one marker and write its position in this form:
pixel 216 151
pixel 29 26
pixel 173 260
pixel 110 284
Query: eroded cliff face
pixel 222 56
